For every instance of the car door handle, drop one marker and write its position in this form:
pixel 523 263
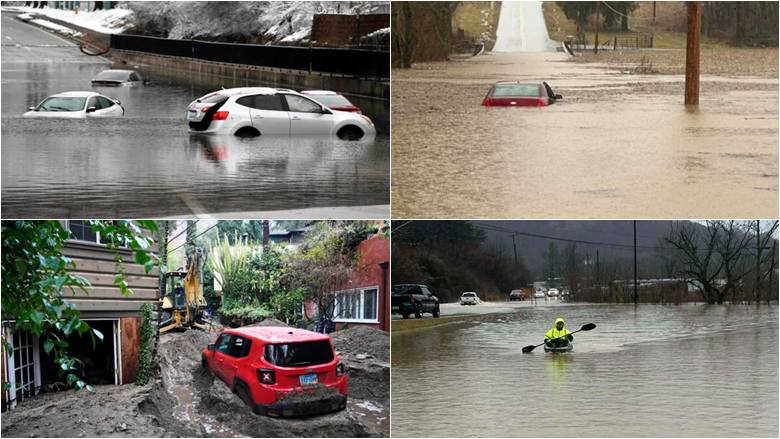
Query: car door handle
pixel 257 116
pixel 235 367
pixel 296 118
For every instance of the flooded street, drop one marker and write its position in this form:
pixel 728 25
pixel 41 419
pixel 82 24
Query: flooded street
pixel 617 145
pixel 147 164
pixel 678 371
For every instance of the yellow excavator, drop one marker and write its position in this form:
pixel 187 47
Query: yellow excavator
pixel 183 302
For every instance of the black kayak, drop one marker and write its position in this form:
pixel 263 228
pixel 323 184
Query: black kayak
pixel 558 349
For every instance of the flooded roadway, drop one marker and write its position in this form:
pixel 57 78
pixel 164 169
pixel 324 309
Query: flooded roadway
pixel 617 146
pixel 146 164
pixel 676 371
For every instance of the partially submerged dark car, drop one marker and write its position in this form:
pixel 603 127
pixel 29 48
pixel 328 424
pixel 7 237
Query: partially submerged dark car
pixel 520 94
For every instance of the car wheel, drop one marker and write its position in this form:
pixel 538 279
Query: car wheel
pixel 247 132
pixel 436 312
pixel 204 363
pixel 350 133
pixel 243 393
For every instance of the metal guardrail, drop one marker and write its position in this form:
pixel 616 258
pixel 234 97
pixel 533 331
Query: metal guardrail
pixel 350 62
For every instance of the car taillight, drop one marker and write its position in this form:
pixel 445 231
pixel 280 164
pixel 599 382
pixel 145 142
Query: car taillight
pixel 221 115
pixel 340 370
pixel 486 102
pixel 205 109
pixel 266 376
pixel 540 103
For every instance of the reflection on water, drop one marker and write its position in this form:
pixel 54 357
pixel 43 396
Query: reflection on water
pixel 146 164
pixel 691 370
pixel 616 146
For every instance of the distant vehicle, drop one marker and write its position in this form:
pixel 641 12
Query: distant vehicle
pixel 408 299
pixel 332 100
pixel 552 292
pixel 254 111
pixel 539 294
pixel 469 298
pixel 520 94
pixel 117 78
pixel 271 367
pixel 516 295
pixel 77 105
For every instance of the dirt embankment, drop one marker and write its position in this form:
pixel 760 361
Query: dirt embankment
pixel 185 400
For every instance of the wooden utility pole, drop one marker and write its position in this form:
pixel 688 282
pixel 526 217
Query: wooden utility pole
pixel 692 53
pixel 598 13
pixel 515 248
pixel 636 275
pixel 653 12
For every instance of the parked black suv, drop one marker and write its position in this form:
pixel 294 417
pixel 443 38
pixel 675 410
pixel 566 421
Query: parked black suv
pixel 414 299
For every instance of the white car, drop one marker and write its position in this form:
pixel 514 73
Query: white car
pixel 254 111
pixel 117 78
pixel 552 292
pixel 77 105
pixel 469 298
pixel 539 294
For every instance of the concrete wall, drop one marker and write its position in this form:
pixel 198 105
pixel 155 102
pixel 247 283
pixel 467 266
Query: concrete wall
pixel 237 75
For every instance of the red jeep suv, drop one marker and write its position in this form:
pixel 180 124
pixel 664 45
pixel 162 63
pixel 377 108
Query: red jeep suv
pixel 279 371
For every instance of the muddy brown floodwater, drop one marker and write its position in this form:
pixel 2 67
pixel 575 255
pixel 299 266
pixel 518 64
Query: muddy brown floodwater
pixel 185 401
pixel 618 145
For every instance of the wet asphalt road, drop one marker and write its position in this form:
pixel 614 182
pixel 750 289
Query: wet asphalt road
pixel 147 164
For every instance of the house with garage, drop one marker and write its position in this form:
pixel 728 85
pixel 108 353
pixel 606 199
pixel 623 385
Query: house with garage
pixel 26 367
pixel 364 298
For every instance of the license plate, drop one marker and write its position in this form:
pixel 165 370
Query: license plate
pixel 309 379
pixel 192 115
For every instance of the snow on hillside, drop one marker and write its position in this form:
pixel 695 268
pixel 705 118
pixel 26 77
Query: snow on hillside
pixel 257 21
pixel 109 21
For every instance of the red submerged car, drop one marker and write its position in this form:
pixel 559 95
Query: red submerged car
pixel 332 100
pixel 520 94
pixel 279 371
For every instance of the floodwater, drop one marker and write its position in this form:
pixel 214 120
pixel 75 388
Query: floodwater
pixel 674 371
pixel 618 145
pixel 146 164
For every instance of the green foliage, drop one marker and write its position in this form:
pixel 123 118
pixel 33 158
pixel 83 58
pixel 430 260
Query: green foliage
pixel 35 273
pixel 147 334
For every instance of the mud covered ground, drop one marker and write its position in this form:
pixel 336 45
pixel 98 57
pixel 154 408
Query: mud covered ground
pixel 184 400
pixel 620 144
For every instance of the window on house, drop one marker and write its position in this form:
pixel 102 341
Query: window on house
pixel 356 305
pixel 81 230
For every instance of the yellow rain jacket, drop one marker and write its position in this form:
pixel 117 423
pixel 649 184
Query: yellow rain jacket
pixel 555 332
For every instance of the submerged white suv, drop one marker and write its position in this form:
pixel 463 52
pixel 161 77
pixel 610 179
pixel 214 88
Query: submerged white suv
pixel 254 111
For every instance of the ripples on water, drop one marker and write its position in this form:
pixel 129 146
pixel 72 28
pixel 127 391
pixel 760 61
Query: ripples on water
pixel 655 371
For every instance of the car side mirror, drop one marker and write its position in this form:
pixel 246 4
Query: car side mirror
pixel 558 97
pixel 324 110
pixel 211 347
pixel 91 109
pixel 30 108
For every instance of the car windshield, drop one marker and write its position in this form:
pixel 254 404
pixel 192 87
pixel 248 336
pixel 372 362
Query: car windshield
pixel 299 354
pixel 62 104
pixel 516 90
pixel 332 100
pixel 112 75
pixel 469 294
pixel 406 289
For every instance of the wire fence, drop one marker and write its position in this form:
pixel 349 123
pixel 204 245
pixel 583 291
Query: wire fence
pixel 337 61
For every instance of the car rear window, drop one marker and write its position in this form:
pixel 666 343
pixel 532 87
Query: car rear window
pixel 332 100
pixel 62 104
pixel 212 98
pixel 406 289
pixel 469 294
pixel 516 90
pixel 308 353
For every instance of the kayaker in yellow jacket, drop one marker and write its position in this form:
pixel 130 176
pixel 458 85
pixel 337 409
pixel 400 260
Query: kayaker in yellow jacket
pixel 558 330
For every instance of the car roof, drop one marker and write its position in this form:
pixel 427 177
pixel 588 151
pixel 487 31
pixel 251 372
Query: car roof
pixel 318 92
pixel 278 334
pixel 253 90
pixel 75 94
pixel 117 71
